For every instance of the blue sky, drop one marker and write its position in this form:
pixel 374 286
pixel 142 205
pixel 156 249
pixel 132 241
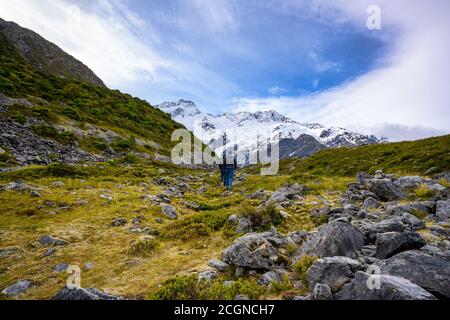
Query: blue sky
pixel 312 60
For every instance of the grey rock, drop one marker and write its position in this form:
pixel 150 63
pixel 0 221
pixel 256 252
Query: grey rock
pixel 35 194
pixel 6 252
pixel 286 194
pixel 391 288
pixel 260 194
pixel 417 207
pixel 389 225
pixel 430 272
pixel 409 182
pixel 443 210
pixel 361 177
pixel 207 275
pixel 385 189
pixel 258 251
pixel 88 266
pixel 321 291
pixel 443 175
pixel 82 294
pixel 297 237
pixel 49 252
pixel 337 238
pixel 391 243
pixel 170 212
pixel 334 272
pixel 159 220
pixel 219 265
pixel 414 222
pixel 371 203
pixel 58 184
pixel 18 288
pixel 270 277
pixel 51 241
pixel 60 267
pixel 241 297
pixel 118 222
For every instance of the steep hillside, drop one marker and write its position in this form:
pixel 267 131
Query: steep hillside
pixel 45 56
pixel 45 117
pixel 428 157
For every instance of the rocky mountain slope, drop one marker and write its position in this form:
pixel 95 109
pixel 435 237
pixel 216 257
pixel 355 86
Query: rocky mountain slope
pixel 47 118
pixel 176 234
pixel 296 139
pixel 45 56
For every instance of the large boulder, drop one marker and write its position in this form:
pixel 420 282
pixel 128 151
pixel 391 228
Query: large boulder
pixel 284 194
pixel 332 271
pixel 390 288
pixel 409 182
pixel 391 243
pixel 430 272
pixel 422 208
pixel 412 182
pixel 385 189
pixel 443 210
pixel 18 288
pixel 337 238
pixel 370 230
pixel 75 293
pixel 257 251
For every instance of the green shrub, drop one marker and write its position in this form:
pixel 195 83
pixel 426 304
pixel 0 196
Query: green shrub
pixel 178 288
pixel 123 144
pixel 142 248
pixel 262 218
pixel 19 118
pixel 201 224
pixel 302 267
pixel 320 220
pixel 73 114
pixel 423 192
pixel 284 285
pixel 189 288
pixel 48 131
pixel 218 291
pixel 43 113
pixel 63 170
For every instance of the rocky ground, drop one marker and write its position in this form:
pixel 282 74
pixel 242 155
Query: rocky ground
pixel 379 237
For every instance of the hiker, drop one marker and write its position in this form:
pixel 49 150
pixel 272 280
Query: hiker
pixel 229 169
pixel 222 172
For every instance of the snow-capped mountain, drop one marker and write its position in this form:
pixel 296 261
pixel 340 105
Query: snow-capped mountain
pixel 245 130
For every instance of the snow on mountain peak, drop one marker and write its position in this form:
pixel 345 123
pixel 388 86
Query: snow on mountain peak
pixel 248 127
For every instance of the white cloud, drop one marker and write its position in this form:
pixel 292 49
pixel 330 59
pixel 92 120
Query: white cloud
pixel 102 41
pixel 322 65
pixel 276 90
pixel 218 15
pixel 406 98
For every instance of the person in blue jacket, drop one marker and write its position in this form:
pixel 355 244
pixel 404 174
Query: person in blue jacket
pixel 229 171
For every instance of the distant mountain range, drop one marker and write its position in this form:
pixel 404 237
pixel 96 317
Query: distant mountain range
pixel 296 139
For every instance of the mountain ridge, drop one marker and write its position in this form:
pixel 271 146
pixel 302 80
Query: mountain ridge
pixel 46 56
pixel 248 125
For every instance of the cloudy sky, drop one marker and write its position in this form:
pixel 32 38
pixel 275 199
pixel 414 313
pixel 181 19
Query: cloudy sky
pixel 312 60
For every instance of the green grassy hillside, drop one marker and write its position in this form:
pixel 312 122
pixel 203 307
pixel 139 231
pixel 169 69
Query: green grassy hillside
pixel 426 157
pixel 57 98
